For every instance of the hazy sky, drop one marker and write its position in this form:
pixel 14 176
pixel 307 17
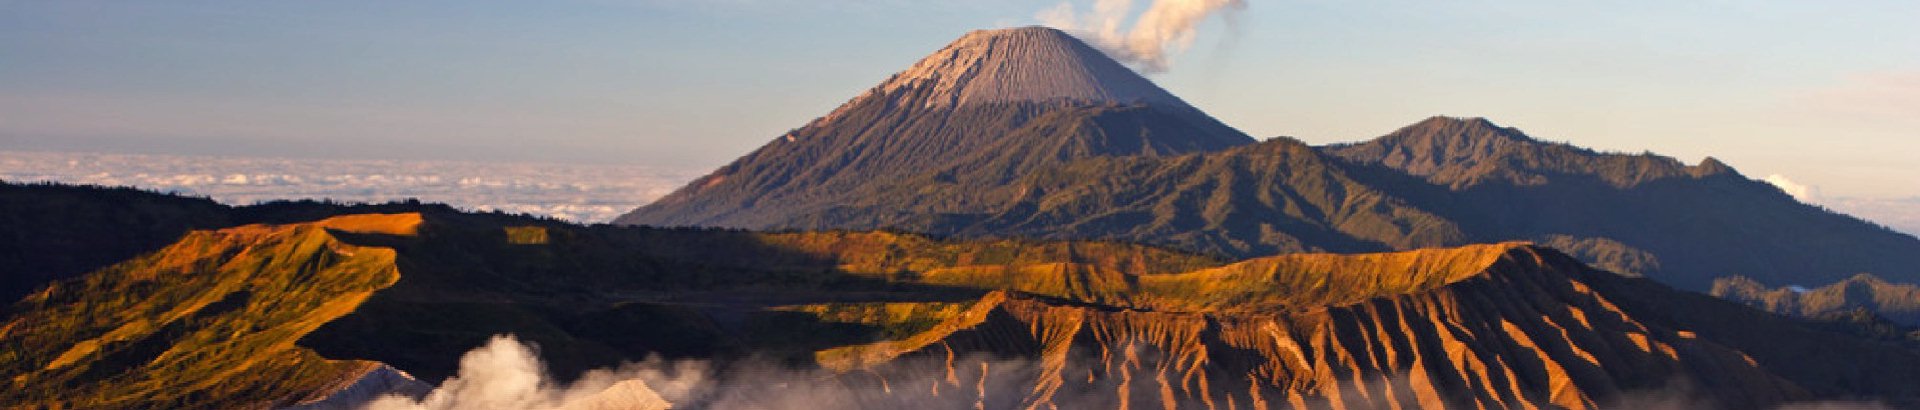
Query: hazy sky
pixel 1825 93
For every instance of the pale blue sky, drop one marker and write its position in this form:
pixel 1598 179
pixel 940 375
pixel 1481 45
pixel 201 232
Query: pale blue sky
pixel 1826 93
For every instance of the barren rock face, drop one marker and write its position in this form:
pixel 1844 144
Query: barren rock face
pixel 989 107
pixel 264 316
pixel 1023 64
pixel 1505 327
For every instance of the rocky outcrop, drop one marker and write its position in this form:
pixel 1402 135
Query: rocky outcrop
pixel 355 388
pixel 624 395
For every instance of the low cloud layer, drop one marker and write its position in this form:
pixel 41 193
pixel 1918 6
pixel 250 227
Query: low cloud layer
pixel 579 193
pixel 1900 214
pixel 1166 27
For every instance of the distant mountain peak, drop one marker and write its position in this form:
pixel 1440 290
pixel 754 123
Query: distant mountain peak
pixel 1022 64
pixel 1712 166
pixel 1899 302
pixel 1467 151
pixel 1460 130
pixel 992 106
pixel 1437 144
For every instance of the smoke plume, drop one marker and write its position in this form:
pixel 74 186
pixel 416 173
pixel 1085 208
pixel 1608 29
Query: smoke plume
pixel 1166 27
pixel 1804 193
pixel 508 374
pixel 505 374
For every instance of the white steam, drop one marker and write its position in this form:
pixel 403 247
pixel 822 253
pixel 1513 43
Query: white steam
pixel 1166 27
pixel 505 374
pixel 1804 193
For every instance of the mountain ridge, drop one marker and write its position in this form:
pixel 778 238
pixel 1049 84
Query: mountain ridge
pixel 1169 177
pixel 1652 214
pixel 1498 324
pixel 1443 181
pixel 1895 301
pixel 1466 151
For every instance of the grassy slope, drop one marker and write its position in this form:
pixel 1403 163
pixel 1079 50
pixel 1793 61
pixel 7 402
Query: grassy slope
pixel 209 321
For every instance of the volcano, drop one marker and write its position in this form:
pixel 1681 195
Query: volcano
pixel 987 108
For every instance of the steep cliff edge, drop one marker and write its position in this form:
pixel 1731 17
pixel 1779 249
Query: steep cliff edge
pixel 1491 326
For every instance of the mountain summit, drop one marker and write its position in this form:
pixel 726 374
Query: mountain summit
pixel 991 106
pixel 1028 132
pixel 1023 64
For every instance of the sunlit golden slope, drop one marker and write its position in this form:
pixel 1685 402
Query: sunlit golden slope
pixel 1489 326
pixel 240 318
pixel 210 319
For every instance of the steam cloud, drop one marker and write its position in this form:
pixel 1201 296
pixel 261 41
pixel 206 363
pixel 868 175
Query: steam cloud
pixel 1799 191
pixel 1166 27
pixel 508 374
pixel 505 374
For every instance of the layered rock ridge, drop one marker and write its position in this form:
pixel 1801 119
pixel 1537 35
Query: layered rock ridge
pixel 1492 326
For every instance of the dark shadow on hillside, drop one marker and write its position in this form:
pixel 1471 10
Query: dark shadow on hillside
pixel 596 297
pixel 1795 350
pixel 52 232
pixel 1702 228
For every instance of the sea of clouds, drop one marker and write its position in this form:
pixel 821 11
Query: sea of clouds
pixel 579 193
pixel 1898 213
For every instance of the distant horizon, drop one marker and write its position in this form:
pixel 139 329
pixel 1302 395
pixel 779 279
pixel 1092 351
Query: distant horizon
pixel 578 193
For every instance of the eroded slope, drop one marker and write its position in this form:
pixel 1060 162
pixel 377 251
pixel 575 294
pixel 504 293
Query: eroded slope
pixel 208 321
pixel 1506 326
pixel 243 318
